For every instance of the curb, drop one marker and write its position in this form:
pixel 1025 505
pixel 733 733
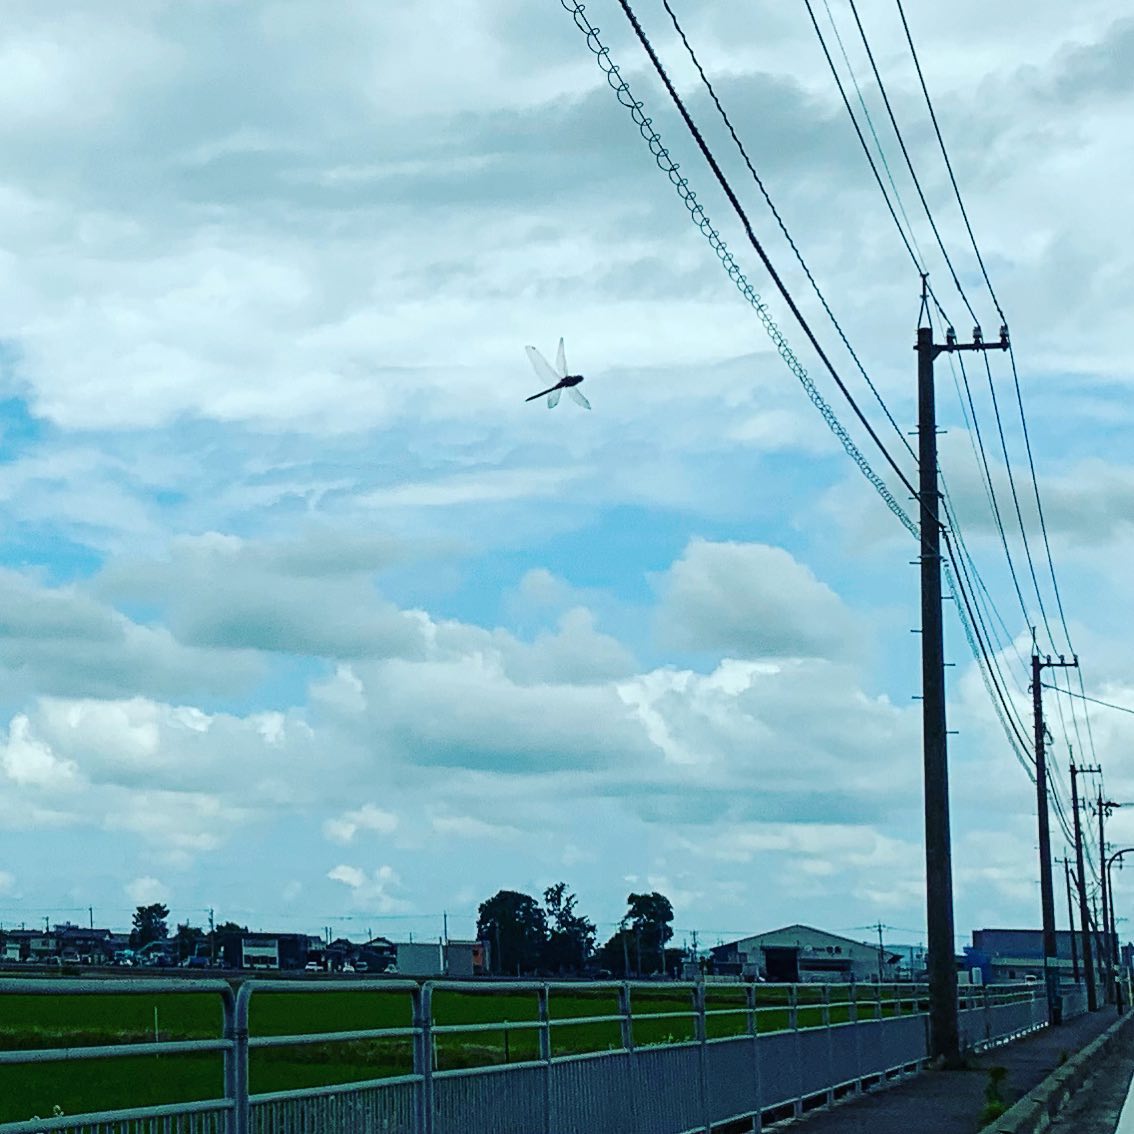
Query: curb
pixel 1036 1111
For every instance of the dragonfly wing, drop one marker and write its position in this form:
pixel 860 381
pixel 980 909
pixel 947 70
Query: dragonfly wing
pixel 574 392
pixel 553 398
pixel 561 360
pixel 540 364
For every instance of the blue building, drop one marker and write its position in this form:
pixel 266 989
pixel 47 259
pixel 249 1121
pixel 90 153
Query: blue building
pixel 1013 955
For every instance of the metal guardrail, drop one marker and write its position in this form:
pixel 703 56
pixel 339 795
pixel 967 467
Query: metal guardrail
pixel 740 1051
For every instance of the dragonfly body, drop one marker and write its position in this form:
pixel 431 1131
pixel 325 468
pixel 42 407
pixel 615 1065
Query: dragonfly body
pixel 558 376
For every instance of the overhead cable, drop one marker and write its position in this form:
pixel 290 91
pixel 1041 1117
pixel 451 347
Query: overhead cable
pixel 783 227
pixel 1084 697
pixel 697 212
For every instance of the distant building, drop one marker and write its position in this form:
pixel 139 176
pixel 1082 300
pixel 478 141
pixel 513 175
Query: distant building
pixel 465 958
pixel 1006 955
pixel 18 944
pixel 85 946
pixel 245 950
pixel 801 953
pixel 420 958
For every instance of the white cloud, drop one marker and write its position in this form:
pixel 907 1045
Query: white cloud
pixel 29 761
pixel 751 600
pixel 368 817
pixel 146 890
pixel 373 891
pixel 470 827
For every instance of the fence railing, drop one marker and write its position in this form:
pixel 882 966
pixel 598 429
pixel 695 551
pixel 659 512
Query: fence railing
pixel 398 1057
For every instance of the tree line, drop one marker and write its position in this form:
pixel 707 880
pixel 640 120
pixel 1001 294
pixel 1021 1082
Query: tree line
pixel 524 936
pixel 527 938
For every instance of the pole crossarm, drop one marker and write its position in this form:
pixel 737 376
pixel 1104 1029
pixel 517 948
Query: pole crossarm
pixel 951 346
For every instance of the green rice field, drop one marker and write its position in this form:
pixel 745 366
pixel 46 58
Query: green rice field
pixel 75 1020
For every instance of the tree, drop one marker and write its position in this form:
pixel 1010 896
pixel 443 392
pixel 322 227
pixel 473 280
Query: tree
pixel 515 927
pixel 649 917
pixel 571 937
pixel 149 925
pixel 228 928
pixel 617 955
pixel 188 937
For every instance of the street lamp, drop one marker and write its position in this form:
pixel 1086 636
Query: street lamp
pixel 1113 922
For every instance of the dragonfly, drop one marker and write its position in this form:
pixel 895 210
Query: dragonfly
pixel 559 378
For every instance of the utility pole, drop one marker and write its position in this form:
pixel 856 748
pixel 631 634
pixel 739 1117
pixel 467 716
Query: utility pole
pixel 944 1039
pixel 879 927
pixel 1103 810
pixel 1071 921
pixel 1047 893
pixel 1084 917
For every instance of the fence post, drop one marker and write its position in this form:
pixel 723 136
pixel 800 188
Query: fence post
pixel 793 1023
pixel 830 1043
pixel 545 1054
pixel 701 1034
pixel 239 1080
pixel 228 1007
pixel 627 1024
pixel 423 1055
pixel 754 1032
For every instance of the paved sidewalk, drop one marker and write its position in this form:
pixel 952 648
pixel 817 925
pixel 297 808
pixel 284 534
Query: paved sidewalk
pixel 950 1102
pixel 1096 1108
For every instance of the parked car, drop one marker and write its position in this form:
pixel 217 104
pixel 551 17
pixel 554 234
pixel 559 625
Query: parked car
pixel 313 967
pixel 360 967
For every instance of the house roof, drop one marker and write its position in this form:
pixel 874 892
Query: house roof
pixel 800 929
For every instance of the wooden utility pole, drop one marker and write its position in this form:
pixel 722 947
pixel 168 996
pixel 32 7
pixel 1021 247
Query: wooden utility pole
pixel 944 1037
pixel 1084 916
pixel 1047 892
pixel 1071 921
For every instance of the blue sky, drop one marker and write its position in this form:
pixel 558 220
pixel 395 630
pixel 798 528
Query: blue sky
pixel 306 617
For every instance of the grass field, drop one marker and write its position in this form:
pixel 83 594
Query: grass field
pixel 70 1020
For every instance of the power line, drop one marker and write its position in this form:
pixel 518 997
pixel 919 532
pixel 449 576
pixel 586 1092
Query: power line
pixel 874 134
pixel 783 227
pixel 909 162
pixel 948 163
pixel 992 389
pixel 1015 375
pixel 749 232
pixel 965 300
pixel 1093 700
pixel 697 213
pixel 915 257
pixel 1002 703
